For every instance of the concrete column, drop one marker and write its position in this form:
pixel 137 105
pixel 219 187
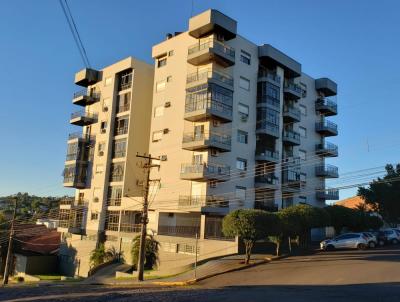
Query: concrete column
pixel 202 226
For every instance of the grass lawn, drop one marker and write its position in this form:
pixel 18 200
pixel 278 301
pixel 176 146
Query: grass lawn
pixel 48 277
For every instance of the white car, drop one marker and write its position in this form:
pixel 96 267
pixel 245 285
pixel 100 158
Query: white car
pixel 392 236
pixel 346 241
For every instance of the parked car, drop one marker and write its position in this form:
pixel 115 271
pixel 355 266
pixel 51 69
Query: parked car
pixel 380 237
pixel 392 236
pixel 346 241
pixel 372 240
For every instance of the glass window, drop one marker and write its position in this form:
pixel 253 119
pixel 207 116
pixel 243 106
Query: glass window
pixel 159 111
pixel 119 148
pixel 170 53
pixel 160 86
pixel 94 216
pixel 302 154
pixel 114 195
pixel 108 81
pixel 103 126
pixel 244 83
pixel 117 171
pixel 161 62
pixel 268 93
pixel 125 79
pixel 157 135
pixel 242 137
pixel 243 110
pixel 240 193
pixel 303 132
pixel 121 125
pixel 303 109
pixel 245 57
pixel 123 102
pixel 241 164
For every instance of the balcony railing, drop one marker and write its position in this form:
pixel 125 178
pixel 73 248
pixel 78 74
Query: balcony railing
pixel 210 139
pixel 216 108
pixel 212 43
pixel 114 201
pixel 327 149
pixel 80 135
pixel 267 100
pixel 67 201
pixel 210 74
pixel 292 136
pixel 326 127
pixel 270 179
pixel 121 130
pixel 84 114
pixel 327 171
pixel 203 200
pixel 85 92
pixel 206 168
pixel 294 90
pixel 267 128
pixel 269 75
pixel 123 108
pixel 179 231
pixel 292 112
pixel 266 154
pixel 329 194
pixel 130 228
pixel 326 106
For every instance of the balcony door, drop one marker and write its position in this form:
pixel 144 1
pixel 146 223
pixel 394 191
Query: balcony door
pixel 198 132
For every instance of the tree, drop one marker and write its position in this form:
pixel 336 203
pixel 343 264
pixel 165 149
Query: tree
pixel 113 255
pixel 340 217
pixel 250 225
pixel 383 194
pixel 97 256
pixel 152 247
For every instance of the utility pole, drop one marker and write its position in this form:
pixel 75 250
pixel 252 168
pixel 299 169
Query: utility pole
pixel 147 166
pixel 195 259
pixel 10 244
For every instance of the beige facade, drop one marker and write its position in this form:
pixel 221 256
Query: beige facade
pixel 235 124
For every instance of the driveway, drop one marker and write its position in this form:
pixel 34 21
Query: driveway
pixel 371 275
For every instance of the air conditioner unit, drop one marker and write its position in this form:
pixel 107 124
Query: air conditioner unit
pixel 167 104
pixel 103 130
pixel 105 109
pixel 166 130
pixel 96 199
pixel 163 157
pixel 101 153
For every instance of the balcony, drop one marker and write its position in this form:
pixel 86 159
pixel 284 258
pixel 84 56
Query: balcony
pixel 75 175
pixel 211 51
pixel 209 76
pixel 292 91
pixel 291 114
pixel 84 98
pixel 269 76
pixel 67 203
pixel 266 101
pixel 87 77
pixel 326 86
pixel 327 150
pixel 326 107
pixel 329 194
pixel 201 110
pixel 205 172
pixel 267 155
pixel 267 129
pixel 291 137
pixel 202 141
pixel 70 221
pixel 290 181
pixel 326 128
pixel 266 181
pixel 83 118
pixel 327 171
pixel 79 136
pixel 205 203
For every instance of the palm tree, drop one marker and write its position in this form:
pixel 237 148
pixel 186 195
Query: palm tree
pixel 112 255
pixel 97 256
pixel 151 252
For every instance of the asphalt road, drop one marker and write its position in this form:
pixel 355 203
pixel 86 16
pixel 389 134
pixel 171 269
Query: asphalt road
pixel 371 275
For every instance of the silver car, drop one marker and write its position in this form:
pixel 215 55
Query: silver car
pixel 346 241
pixel 392 236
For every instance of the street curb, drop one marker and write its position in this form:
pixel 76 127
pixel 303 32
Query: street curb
pixel 193 281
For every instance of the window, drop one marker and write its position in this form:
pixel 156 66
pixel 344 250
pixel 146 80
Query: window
pixel 159 111
pixel 157 135
pixel 94 216
pixel 121 125
pixel 302 199
pixel 169 79
pixel 160 86
pixel 117 171
pixel 170 53
pixel 268 93
pixel 245 57
pixel 244 83
pixel 106 104
pixel 303 154
pixel 114 195
pixel 241 164
pixel 242 137
pixel 303 109
pixel 161 62
pixel 123 102
pixel 125 79
pixel 99 169
pixel 101 148
pixel 108 81
pixel 119 148
pixel 303 132
pixel 240 193
pixel 103 127
pixel 243 111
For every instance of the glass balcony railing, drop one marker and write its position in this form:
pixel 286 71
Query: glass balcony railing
pixel 210 74
pixel 270 75
pixel 210 137
pixel 212 43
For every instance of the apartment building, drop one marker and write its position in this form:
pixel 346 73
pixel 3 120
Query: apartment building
pixel 101 163
pixel 235 125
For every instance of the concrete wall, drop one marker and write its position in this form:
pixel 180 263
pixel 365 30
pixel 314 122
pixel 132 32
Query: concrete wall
pixel 36 265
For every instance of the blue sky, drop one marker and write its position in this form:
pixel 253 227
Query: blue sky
pixel 356 43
